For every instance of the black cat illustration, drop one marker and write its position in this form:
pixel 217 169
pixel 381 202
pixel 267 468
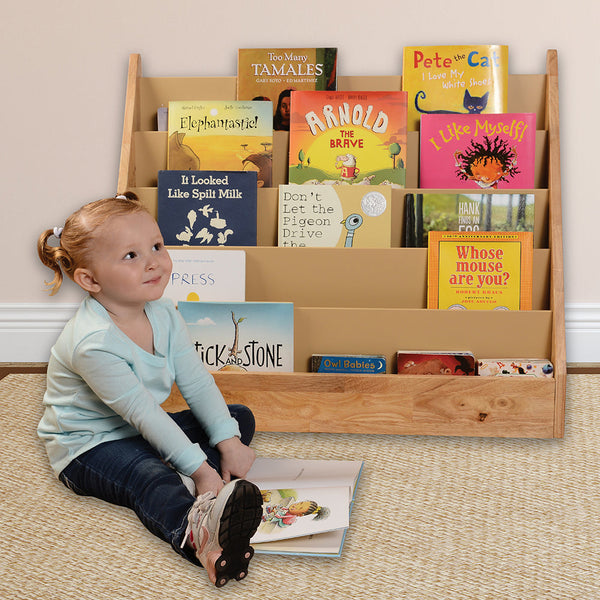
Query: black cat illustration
pixel 473 104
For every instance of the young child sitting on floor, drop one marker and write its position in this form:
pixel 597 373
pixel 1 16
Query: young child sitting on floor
pixel 110 370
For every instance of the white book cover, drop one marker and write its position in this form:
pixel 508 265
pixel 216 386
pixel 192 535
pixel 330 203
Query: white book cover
pixel 242 336
pixel 306 504
pixel 207 275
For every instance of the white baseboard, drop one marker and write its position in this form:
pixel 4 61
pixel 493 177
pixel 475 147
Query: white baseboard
pixel 28 331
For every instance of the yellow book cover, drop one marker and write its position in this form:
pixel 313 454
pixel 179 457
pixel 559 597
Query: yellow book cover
pixel 273 73
pixel 480 270
pixel 348 137
pixel 219 135
pixel 454 80
pixel 337 216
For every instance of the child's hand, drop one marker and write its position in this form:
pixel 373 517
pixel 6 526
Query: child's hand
pixel 236 458
pixel 206 479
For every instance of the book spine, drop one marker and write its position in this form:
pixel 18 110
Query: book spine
pixel 348 363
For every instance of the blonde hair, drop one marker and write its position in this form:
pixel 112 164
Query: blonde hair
pixel 79 232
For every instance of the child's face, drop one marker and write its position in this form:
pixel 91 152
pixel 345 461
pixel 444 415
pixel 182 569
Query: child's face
pixel 130 263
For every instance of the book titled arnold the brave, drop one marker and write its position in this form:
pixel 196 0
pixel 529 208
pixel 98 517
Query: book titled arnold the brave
pixel 481 270
pixel 478 151
pixel 221 135
pixel 348 138
pixel 454 79
pixel 242 336
pixel 273 73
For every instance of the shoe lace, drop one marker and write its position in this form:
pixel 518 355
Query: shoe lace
pixel 199 509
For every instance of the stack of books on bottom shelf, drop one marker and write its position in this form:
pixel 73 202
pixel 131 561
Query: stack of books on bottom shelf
pixel 306 505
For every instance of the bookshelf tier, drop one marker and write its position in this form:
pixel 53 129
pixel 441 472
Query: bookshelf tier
pixel 374 300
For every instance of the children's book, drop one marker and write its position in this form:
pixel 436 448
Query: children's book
pixel 515 367
pixel 348 137
pixel 221 135
pixel 273 73
pixel 342 216
pixel 348 363
pixel 242 336
pixel 207 208
pixel 455 80
pixel 426 362
pixel 480 270
pixel 306 504
pixel 465 212
pixel 207 275
pixel 478 151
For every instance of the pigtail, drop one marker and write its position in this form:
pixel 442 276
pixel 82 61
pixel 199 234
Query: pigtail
pixel 55 258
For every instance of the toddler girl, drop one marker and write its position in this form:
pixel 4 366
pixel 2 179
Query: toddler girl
pixel 110 370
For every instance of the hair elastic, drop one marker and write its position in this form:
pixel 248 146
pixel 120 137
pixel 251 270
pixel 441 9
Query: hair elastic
pixel 58 231
pixel 120 197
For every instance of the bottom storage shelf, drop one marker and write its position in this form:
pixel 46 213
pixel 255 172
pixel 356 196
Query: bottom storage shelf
pixel 392 404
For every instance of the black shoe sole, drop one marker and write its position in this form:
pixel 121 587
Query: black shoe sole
pixel 239 521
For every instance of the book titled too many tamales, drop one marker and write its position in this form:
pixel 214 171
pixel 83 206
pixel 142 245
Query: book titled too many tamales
pixel 481 270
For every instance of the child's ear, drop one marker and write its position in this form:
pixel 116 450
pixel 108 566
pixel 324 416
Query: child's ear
pixel 84 278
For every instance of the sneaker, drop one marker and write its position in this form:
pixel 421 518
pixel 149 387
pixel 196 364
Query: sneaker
pixel 220 529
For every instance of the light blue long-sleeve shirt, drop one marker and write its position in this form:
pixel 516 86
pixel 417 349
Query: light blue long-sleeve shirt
pixel 101 386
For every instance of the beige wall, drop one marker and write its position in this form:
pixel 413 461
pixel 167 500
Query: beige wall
pixel 65 63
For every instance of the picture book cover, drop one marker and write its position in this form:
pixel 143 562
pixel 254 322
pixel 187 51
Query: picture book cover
pixel 221 135
pixel 481 270
pixel 342 216
pixel 435 363
pixel 454 80
pixel 273 73
pixel 306 504
pixel 207 275
pixel 465 212
pixel 348 137
pixel 511 367
pixel 478 151
pixel 207 208
pixel 348 363
pixel 242 336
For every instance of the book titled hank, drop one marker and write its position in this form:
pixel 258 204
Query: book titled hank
pixel 478 151
pixel 242 336
pixel 480 270
pixel 348 137
pixel 306 504
pixel 492 211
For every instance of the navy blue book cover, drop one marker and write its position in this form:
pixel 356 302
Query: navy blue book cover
pixel 207 208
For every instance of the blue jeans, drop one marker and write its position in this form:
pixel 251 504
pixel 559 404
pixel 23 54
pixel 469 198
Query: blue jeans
pixel 130 473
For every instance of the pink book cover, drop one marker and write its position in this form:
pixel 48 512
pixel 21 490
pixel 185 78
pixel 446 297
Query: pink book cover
pixel 489 152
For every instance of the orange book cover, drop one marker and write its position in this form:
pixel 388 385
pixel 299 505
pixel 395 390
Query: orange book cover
pixel 480 270
pixel 348 138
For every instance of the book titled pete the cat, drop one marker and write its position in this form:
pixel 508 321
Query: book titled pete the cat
pixel 478 151
pixel 454 79
pixel 222 136
pixel 242 336
pixel 207 208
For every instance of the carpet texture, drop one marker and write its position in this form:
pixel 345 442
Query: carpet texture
pixel 435 518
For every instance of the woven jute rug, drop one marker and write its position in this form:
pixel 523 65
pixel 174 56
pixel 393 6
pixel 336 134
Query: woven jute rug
pixel 435 518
